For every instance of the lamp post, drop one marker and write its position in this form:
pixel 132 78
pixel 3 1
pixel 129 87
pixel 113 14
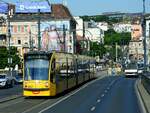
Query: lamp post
pixel 39 30
pixel 9 15
pixel 144 35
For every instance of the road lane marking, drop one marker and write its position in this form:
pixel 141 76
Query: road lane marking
pixel 93 108
pixel 69 95
pixel 102 95
pixel 98 101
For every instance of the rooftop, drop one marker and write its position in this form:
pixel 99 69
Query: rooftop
pixel 59 11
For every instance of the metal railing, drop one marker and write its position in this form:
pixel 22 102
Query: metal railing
pixel 145 79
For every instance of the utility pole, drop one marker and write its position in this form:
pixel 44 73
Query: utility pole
pixel 83 38
pixel 9 36
pixel 116 53
pixel 144 35
pixel 39 30
pixel 30 41
pixel 9 15
pixel 64 38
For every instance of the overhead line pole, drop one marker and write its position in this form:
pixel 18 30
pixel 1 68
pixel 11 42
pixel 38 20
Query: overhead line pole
pixel 144 35
pixel 39 30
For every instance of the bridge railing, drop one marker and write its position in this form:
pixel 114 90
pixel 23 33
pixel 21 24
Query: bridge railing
pixel 145 79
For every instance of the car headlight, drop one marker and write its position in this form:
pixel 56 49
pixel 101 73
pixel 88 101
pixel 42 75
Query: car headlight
pixel 140 71
pixel 3 82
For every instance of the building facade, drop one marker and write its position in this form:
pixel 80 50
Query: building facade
pixel 56 29
pixel 122 27
pixel 136 48
pixel 148 38
pixel 3 30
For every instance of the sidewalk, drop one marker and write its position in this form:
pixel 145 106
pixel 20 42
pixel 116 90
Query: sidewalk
pixel 145 96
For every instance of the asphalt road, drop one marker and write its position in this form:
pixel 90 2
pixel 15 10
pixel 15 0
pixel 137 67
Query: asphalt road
pixel 117 96
pixel 16 90
pixel 108 95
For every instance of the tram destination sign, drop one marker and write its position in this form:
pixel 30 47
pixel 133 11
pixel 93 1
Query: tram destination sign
pixel 30 57
pixel 32 6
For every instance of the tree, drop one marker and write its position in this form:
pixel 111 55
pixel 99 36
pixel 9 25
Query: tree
pixel 4 54
pixel 97 49
pixel 112 37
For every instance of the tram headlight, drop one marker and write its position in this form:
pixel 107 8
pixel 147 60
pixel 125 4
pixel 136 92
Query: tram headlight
pixel 46 84
pixel 25 84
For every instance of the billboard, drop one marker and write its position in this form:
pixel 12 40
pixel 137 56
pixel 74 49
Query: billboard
pixel 52 35
pixel 3 8
pixel 32 6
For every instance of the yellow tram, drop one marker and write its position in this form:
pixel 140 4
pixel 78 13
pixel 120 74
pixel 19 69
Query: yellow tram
pixel 50 73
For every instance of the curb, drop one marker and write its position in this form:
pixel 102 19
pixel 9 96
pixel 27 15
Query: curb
pixel 141 101
pixel 13 97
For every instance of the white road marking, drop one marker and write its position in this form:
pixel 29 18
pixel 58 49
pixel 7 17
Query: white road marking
pixel 102 95
pixel 68 96
pixel 93 108
pixel 98 100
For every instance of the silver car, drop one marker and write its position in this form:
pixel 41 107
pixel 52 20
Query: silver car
pixel 6 81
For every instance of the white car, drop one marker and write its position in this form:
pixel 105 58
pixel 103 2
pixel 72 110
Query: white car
pixel 6 80
pixel 131 70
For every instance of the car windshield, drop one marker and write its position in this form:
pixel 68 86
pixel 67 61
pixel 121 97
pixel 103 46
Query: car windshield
pixel 2 76
pixel 140 66
pixel 132 66
pixel 18 77
pixel 36 69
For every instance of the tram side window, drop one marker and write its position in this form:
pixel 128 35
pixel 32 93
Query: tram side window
pixel 61 69
pixel 53 71
pixel 71 68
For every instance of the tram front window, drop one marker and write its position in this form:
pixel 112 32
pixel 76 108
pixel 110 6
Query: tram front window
pixel 36 69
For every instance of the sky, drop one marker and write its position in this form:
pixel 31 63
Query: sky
pixel 96 7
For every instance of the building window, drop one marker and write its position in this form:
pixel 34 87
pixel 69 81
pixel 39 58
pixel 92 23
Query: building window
pixel 22 28
pixel 70 39
pixel 15 29
pixel 25 28
pixel 19 28
pixel 19 41
pixel 11 29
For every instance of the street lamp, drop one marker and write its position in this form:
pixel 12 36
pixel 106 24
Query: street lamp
pixel 144 35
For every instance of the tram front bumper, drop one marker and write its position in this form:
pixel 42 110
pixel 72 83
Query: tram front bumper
pixel 36 92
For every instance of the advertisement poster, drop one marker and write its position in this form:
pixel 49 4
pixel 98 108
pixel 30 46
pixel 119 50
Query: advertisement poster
pixel 32 6
pixel 52 35
pixel 3 8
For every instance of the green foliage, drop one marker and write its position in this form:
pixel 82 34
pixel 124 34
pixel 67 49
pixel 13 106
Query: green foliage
pixel 112 37
pixel 4 54
pixel 112 51
pixel 102 18
pixel 97 49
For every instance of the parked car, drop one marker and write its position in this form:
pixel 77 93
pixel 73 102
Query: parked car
pixel 18 79
pixel 6 80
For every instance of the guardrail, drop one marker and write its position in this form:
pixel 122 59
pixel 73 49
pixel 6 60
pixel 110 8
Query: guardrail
pixel 145 79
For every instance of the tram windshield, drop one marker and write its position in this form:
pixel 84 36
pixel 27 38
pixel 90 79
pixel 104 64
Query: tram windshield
pixel 36 69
